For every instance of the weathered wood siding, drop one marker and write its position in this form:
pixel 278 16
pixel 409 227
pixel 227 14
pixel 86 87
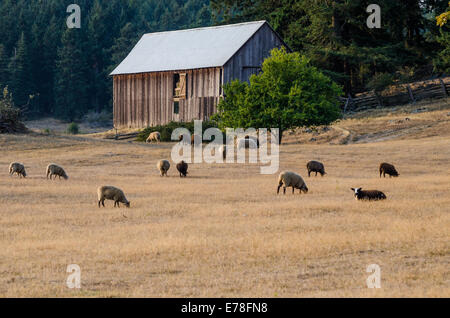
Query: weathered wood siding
pixel 242 65
pixel 142 100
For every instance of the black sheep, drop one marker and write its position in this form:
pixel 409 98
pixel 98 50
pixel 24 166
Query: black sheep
pixel 182 167
pixel 387 168
pixel 361 194
pixel 315 166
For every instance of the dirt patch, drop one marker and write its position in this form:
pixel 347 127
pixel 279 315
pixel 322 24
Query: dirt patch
pixel 406 122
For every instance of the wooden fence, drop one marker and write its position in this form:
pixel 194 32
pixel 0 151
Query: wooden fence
pixel 400 94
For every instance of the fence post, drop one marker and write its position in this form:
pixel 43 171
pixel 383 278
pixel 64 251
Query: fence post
pixel 443 87
pixel 349 100
pixel 411 96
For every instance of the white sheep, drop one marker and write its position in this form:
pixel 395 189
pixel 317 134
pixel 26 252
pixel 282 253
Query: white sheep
pixel 154 136
pixel 57 171
pixel 111 193
pixel 16 167
pixel 163 166
pixel 291 179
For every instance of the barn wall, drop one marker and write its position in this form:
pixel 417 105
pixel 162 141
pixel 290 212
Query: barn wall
pixel 252 53
pixel 142 100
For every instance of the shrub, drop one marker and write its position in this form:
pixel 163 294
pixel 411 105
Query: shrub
pixel 166 130
pixel 73 129
pixel 380 81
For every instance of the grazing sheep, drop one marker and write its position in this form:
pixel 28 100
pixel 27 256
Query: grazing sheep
pixel 163 167
pixel 368 194
pixel 57 171
pixel 248 142
pixel 315 166
pixel 18 168
pixel 154 136
pixel 111 193
pixel 291 179
pixel 387 168
pixel 182 168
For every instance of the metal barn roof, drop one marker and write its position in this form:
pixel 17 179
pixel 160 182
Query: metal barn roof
pixel 187 49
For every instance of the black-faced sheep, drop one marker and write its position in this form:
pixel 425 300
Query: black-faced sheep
pixel 387 168
pixel 18 168
pixel 111 193
pixel 163 166
pixel 182 168
pixel 315 166
pixel 57 171
pixel 154 136
pixel 291 179
pixel 361 194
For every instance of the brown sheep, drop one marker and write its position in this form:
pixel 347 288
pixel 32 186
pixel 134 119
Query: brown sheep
pixel 154 136
pixel 291 179
pixel 182 168
pixel 57 171
pixel 111 193
pixel 361 194
pixel 387 168
pixel 315 166
pixel 18 168
pixel 163 166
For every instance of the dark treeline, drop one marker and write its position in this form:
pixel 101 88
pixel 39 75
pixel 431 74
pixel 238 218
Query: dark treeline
pixel 62 72
pixel 53 70
pixel 334 35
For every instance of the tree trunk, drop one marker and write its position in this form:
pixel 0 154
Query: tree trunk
pixel 280 137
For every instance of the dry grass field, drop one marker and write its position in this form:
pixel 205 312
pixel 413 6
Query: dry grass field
pixel 223 231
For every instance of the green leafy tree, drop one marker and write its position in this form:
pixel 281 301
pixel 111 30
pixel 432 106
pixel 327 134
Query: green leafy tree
pixel 288 93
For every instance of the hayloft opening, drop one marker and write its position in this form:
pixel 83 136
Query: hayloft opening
pixel 179 86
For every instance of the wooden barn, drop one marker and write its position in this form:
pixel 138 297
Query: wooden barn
pixel 178 75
